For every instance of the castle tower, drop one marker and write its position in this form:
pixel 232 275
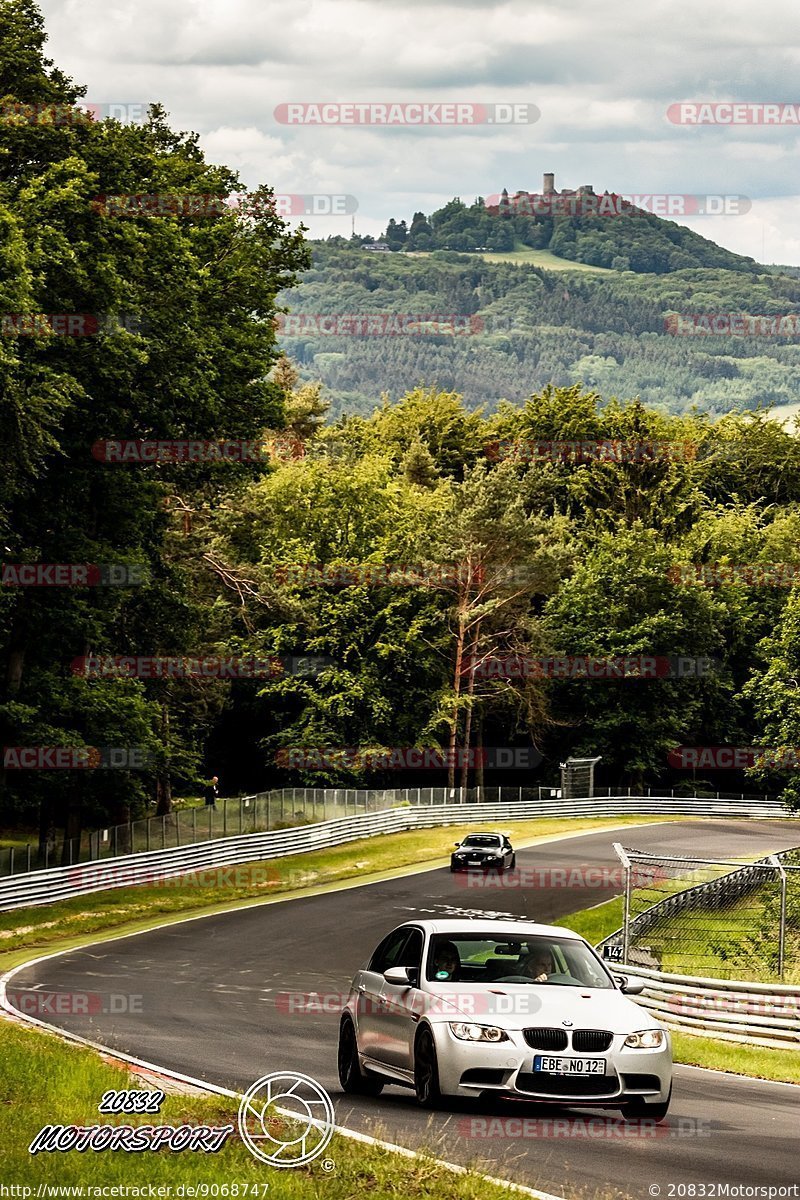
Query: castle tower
pixel 549 184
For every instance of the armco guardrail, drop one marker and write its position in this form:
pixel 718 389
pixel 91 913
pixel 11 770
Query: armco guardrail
pixel 59 883
pixel 762 1014
pixel 280 808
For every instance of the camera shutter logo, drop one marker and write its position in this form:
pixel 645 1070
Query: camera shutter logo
pixel 288 1094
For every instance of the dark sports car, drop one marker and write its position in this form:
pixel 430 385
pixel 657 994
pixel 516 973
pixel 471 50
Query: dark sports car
pixel 483 851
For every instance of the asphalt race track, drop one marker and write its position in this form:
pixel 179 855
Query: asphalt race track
pixel 214 1005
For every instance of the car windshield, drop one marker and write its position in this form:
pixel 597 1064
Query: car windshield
pixel 481 839
pixel 487 959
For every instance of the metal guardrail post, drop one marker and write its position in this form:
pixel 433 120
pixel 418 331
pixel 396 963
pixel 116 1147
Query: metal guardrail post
pixel 29 857
pixel 11 862
pixel 626 915
pixel 775 861
pixel 194 824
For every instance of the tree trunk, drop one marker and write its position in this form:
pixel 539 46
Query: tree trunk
pixel 163 781
pixel 468 718
pixel 451 762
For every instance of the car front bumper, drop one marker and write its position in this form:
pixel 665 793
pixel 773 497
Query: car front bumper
pixel 468 1068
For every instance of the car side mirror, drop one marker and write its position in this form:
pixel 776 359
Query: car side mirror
pixel 456 845
pixel 398 975
pixel 629 987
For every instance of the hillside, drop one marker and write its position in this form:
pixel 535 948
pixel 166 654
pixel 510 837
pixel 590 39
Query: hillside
pixel 598 230
pixel 516 327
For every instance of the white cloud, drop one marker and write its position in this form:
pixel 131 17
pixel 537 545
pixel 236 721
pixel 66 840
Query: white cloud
pixel 603 78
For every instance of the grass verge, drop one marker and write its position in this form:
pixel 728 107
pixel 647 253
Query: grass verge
pixel 782 1066
pixel 44 1082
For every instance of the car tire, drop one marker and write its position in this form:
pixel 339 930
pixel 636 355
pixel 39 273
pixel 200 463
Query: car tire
pixel 353 1080
pixel 426 1071
pixel 513 862
pixel 638 1110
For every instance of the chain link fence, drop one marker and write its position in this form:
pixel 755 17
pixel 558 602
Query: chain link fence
pixel 283 808
pixel 711 918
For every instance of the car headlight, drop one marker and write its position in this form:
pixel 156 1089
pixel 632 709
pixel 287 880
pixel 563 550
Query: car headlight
pixel 646 1039
pixel 467 1032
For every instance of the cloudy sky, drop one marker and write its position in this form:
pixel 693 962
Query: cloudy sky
pixel 601 75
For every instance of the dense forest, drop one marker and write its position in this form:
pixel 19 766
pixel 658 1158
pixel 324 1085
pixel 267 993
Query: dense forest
pixel 520 327
pixel 403 552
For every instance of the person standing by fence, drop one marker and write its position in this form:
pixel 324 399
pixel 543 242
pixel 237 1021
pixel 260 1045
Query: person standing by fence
pixel 210 793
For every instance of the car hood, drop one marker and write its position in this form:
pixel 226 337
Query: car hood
pixel 520 1006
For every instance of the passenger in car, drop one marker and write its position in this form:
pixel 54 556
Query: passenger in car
pixel 446 962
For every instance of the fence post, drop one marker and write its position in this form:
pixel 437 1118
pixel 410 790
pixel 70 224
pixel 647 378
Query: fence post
pixel 11 862
pixel 29 857
pixel 149 819
pixel 194 824
pixel 177 829
pixel 209 810
pixel 626 916
pixel 116 841
pixel 163 830
pixel 773 858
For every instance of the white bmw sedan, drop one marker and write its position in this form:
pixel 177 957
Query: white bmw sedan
pixel 461 1007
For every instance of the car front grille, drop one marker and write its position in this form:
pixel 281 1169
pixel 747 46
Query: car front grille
pixel 546 1039
pixel 591 1041
pixel 574 1086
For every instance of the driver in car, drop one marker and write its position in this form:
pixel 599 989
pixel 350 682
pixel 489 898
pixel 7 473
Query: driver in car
pixel 537 965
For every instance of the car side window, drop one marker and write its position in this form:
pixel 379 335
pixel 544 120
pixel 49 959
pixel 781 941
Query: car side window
pixel 388 952
pixel 411 954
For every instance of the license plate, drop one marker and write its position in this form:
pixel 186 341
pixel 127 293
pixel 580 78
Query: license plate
pixel 475 862
pixel 570 1066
